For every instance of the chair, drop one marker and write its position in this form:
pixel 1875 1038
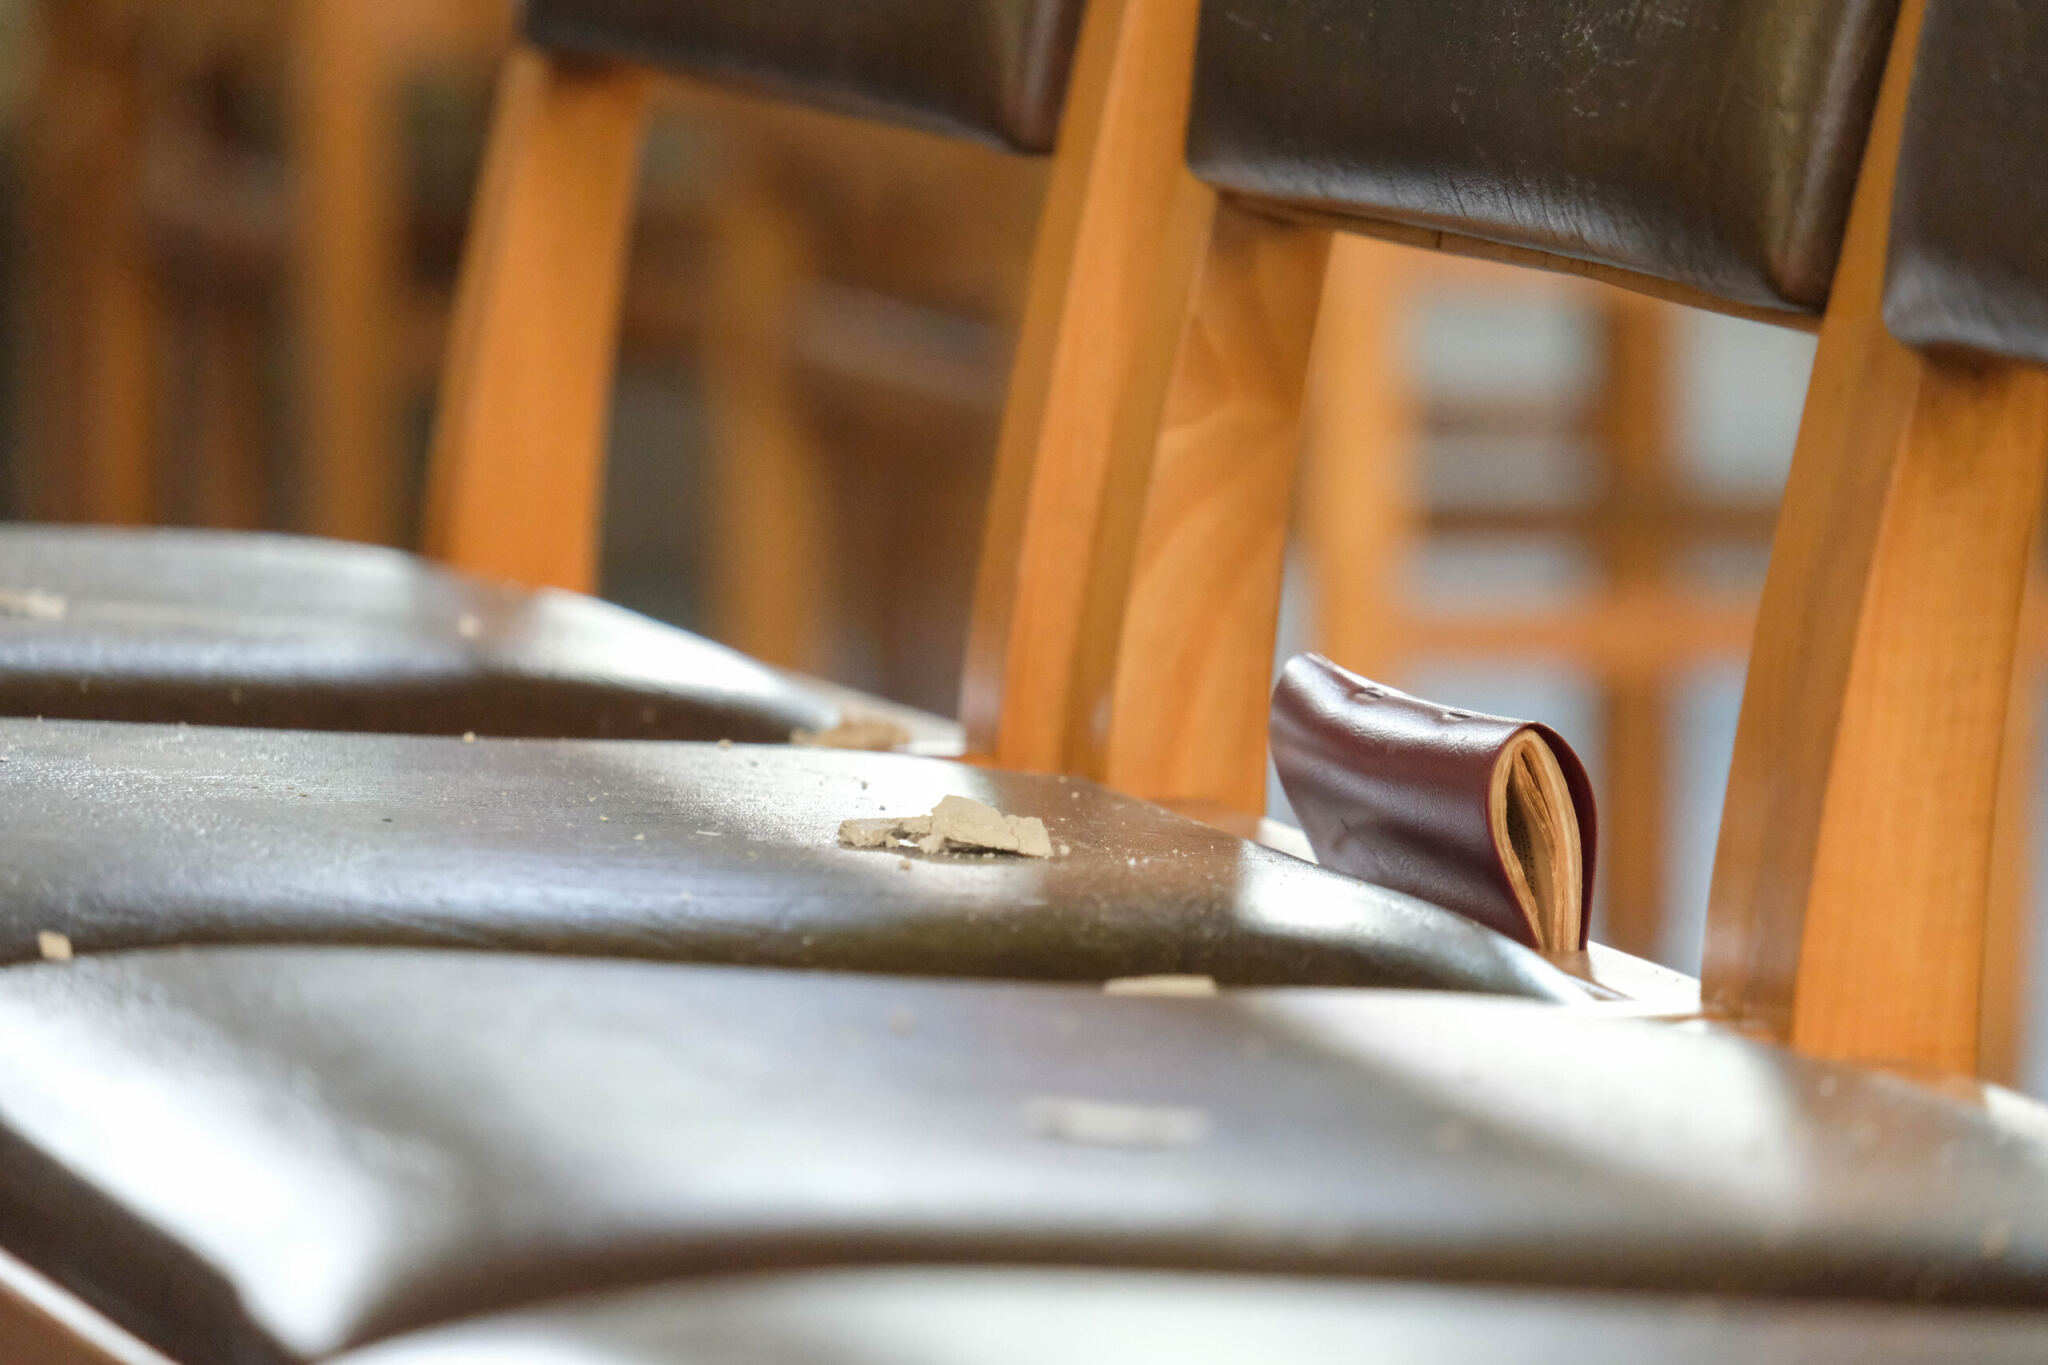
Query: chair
pixel 283 1154
pixel 151 835
pixel 524 478
pixel 1849 888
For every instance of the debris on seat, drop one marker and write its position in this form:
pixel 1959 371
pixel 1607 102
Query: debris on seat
pixel 31 605
pixel 1165 986
pixel 958 824
pixel 54 947
pixel 869 733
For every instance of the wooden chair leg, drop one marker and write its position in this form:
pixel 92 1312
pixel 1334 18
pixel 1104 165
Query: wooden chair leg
pixel 1848 906
pixel 1176 668
pixel 346 275
pixel 93 314
pixel 1118 245
pixel 1635 429
pixel 516 477
pixel 769 528
pixel 1358 512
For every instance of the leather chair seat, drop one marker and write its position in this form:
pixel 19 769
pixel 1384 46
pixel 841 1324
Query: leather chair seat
pixel 125 836
pixel 271 1155
pixel 1010 1316
pixel 213 628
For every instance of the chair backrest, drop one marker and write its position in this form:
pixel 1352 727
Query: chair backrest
pixel 1739 155
pixel 989 69
pixel 1968 268
pixel 517 466
pixel 1703 142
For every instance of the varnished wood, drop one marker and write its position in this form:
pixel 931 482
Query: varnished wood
pixel 346 274
pixel 517 471
pixel 2008 927
pixel 1117 249
pixel 1849 898
pixel 92 353
pixel 1178 707
pixel 1635 433
pixel 43 1324
pixel 769 546
pixel 1358 509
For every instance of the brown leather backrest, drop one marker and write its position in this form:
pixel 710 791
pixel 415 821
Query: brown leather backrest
pixel 1969 249
pixel 1713 143
pixel 995 70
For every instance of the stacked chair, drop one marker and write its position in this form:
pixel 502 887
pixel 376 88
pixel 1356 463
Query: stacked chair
pixel 355 1065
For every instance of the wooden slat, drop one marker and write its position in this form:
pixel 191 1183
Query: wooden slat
pixel 1849 899
pixel 1357 506
pixel 1175 698
pixel 1635 425
pixel 1118 246
pixel 346 269
pixel 93 355
pixel 517 472
pixel 769 544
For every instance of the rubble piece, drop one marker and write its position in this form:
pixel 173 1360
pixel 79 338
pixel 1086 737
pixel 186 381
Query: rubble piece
pixel 1108 1123
pixel 958 824
pixel 878 833
pixel 1167 987
pixel 869 733
pixel 969 824
pixel 54 947
pixel 31 605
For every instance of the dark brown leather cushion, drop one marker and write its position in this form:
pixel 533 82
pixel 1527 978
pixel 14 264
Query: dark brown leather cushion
pixel 989 69
pixel 121 836
pixel 1106 1317
pixel 1710 142
pixel 1969 251
pixel 252 1155
pixel 213 628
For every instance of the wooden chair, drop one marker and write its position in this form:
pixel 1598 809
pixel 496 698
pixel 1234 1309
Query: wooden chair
pixel 1850 886
pixel 286 1154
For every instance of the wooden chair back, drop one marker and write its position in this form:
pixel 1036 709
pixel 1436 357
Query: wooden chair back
pixel 1736 157
pixel 517 465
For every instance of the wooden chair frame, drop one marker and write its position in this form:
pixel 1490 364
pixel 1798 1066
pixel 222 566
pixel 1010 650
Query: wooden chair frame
pixel 1850 889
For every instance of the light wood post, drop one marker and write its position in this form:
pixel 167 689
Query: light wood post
pixel 346 274
pixel 1176 669
pixel 1850 886
pixel 1118 246
pixel 517 472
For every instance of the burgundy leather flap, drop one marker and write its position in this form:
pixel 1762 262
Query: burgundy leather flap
pixel 1393 789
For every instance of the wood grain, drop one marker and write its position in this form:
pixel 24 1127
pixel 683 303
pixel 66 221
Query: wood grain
pixel 1118 245
pixel 1850 885
pixel 1175 674
pixel 517 471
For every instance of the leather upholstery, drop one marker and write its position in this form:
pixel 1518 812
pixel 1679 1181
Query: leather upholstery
pixel 1010 1316
pixel 255 1155
pixel 1710 142
pixel 216 628
pixel 989 69
pixel 122 836
pixel 1396 790
pixel 1968 268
